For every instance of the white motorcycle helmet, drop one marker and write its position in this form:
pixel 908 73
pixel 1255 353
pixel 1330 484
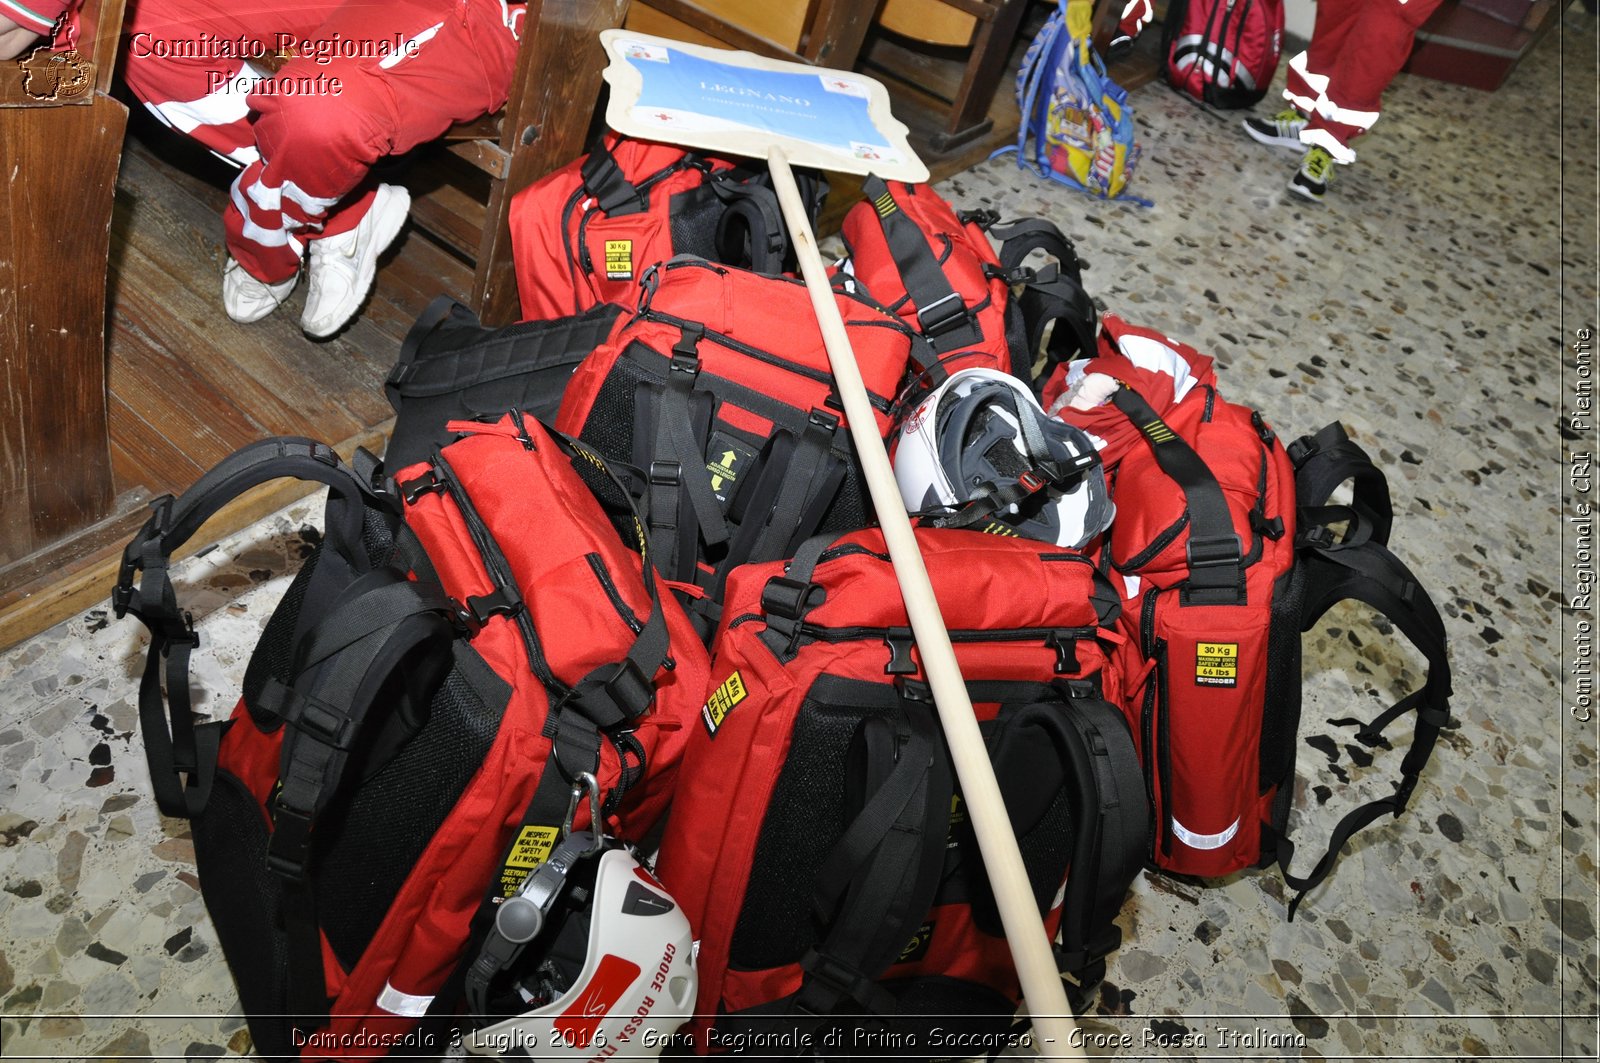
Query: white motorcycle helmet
pixel 980 450
pixel 633 953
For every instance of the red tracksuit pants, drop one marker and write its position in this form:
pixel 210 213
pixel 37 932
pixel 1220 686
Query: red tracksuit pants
pixel 370 78
pixel 1357 47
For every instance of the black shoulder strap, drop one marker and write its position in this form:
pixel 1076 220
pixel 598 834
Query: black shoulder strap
pixel 1216 571
pixel 1366 571
pixel 1052 294
pixel 1330 457
pixel 942 317
pixel 1113 835
pixel 750 232
pixel 175 748
pixel 604 180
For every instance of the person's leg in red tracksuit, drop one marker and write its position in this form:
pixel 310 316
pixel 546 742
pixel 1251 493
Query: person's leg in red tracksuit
pixel 1368 55
pixel 369 80
pixel 1336 85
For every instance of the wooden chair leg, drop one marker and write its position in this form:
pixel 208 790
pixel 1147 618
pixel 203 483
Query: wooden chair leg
pixel 546 125
pixel 991 46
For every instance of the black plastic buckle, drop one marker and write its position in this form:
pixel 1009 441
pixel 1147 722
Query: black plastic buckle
pixel 685 353
pixel 1204 554
pixel 841 979
pixel 785 598
pixel 631 689
pixel 122 594
pixel 480 609
pixel 414 489
pixel 666 473
pixel 289 850
pixel 1300 450
pixel 181 632
pixel 900 642
pixel 315 719
pixel 1320 537
pixel 936 318
pixel 823 419
pixel 1065 643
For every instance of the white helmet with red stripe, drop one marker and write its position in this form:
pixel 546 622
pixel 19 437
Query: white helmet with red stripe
pixel 636 984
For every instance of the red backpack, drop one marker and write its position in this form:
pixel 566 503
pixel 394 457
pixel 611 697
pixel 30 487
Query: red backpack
pixel 936 269
pixel 817 841
pixel 719 389
pixel 587 233
pixel 1226 550
pixel 414 720
pixel 1223 52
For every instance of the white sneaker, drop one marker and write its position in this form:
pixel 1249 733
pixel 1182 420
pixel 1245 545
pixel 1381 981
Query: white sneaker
pixel 247 299
pixel 342 268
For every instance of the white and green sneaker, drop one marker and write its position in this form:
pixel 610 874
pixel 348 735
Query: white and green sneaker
pixel 1314 175
pixel 1282 130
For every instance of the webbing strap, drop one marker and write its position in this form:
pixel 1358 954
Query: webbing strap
pixel 942 316
pixel 1107 783
pixel 603 179
pixel 1327 459
pixel 174 747
pixel 1369 573
pixel 675 438
pixel 1216 569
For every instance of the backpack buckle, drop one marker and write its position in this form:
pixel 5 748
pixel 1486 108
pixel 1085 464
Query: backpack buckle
pixel 1216 576
pixel 1213 553
pixel 631 689
pixel 937 318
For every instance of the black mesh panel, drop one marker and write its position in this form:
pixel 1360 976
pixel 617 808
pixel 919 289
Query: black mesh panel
pixel 370 847
pixel 693 216
pixel 243 897
pixel 804 819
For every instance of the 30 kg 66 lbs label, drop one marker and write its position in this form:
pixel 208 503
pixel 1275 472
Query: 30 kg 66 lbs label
pixel 1216 664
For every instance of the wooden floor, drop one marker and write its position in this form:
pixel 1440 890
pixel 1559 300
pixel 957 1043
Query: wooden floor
pixel 188 386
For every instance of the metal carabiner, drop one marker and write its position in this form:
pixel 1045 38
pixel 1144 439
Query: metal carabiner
pixel 586 781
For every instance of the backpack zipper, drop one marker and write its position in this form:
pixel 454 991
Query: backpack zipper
pixel 499 570
pixel 598 567
pixel 878 402
pixel 1147 711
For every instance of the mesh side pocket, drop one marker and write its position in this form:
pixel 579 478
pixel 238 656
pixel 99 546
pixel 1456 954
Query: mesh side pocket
pixel 370 850
pixel 804 819
pixel 693 216
pixel 1280 720
pixel 244 898
pixel 610 425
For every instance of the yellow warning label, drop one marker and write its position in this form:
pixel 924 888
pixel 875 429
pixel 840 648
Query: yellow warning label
pixel 1216 664
pixel 532 848
pixel 958 817
pixel 619 260
pixel 723 469
pixel 721 701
